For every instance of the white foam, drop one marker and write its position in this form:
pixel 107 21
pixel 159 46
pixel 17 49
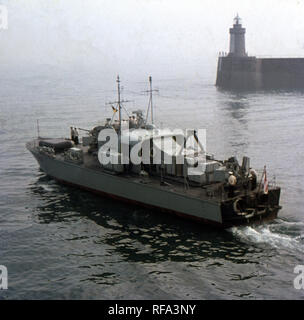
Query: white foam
pixel 290 223
pixel 263 234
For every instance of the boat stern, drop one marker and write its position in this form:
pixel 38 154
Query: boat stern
pixel 253 208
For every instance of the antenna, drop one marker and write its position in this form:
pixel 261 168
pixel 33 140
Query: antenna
pixel 38 130
pixel 119 103
pixel 150 91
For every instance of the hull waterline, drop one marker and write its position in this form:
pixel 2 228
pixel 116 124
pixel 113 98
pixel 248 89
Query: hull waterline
pixel 207 212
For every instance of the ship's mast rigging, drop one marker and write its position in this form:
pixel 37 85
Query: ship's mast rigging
pixel 150 104
pixel 38 129
pixel 119 103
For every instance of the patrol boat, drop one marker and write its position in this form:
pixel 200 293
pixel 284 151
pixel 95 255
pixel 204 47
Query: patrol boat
pixel 223 193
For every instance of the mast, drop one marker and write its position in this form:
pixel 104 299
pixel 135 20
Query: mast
pixel 150 80
pixel 119 103
pixel 150 105
pixel 38 129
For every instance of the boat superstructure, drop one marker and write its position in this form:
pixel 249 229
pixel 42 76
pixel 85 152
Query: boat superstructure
pixel 169 173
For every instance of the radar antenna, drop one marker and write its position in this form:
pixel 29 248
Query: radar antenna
pixel 150 104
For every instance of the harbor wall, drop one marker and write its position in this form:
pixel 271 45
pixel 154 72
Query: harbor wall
pixel 251 73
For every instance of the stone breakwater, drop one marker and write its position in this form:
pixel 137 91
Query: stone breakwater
pixel 251 73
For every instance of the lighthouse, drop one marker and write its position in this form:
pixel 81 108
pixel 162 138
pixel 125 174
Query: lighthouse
pixel 238 71
pixel 237 39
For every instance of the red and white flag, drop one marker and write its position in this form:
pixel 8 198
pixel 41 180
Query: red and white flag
pixel 265 181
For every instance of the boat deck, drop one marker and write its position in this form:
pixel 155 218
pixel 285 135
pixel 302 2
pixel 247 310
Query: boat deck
pixel 212 192
pixel 207 192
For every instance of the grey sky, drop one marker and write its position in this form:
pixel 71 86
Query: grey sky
pixel 146 34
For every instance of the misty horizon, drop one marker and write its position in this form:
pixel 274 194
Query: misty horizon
pixel 152 36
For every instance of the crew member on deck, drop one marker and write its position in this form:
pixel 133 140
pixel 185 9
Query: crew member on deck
pixel 72 134
pixel 254 178
pixel 232 181
pixel 76 136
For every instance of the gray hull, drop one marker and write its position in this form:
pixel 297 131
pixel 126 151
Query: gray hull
pixel 132 190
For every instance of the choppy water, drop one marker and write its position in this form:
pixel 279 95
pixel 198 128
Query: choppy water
pixel 58 242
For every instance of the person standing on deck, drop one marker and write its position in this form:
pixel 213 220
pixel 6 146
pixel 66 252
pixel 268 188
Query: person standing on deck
pixel 76 134
pixel 72 134
pixel 232 182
